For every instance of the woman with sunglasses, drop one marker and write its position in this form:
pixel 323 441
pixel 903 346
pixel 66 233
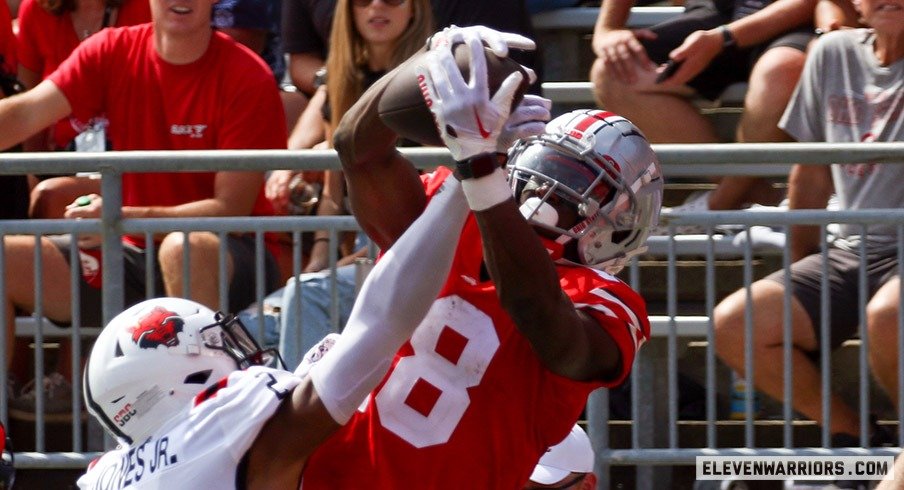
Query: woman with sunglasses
pixel 367 39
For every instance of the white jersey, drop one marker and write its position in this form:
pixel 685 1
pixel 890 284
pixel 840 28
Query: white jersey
pixel 204 449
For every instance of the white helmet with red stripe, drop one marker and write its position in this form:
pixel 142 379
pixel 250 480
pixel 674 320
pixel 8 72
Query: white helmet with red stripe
pixel 603 165
pixel 152 359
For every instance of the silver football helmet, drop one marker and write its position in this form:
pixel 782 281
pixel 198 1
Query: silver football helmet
pixel 603 165
pixel 152 359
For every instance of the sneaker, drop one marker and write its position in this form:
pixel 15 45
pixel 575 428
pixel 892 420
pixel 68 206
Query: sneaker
pixel 57 400
pixel 696 202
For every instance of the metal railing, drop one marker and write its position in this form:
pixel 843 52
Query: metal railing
pixel 677 160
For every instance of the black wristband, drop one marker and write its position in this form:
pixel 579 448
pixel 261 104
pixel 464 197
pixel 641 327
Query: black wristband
pixel 477 166
pixel 728 39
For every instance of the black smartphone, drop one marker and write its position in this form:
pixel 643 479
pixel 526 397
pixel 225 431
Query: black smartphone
pixel 670 68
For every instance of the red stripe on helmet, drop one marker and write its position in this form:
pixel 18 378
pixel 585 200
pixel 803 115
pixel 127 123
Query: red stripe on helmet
pixel 591 119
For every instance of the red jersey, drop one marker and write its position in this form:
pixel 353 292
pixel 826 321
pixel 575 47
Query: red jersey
pixel 224 100
pixel 46 40
pixel 7 42
pixel 467 403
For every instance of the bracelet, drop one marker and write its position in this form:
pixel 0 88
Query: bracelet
pixel 477 166
pixel 321 239
pixel 485 192
pixel 728 39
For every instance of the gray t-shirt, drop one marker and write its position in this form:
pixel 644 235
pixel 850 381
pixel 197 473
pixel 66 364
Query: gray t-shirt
pixel 845 96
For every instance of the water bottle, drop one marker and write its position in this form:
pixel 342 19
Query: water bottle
pixel 738 399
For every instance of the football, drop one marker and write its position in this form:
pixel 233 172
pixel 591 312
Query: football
pixel 402 105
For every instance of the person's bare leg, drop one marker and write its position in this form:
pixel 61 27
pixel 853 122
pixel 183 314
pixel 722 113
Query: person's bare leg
pixel 768 362
pixel 20 282
pixel 770 87
pixel 882 332
pixel 204 267
pixel 895 479
pixel 50 197
pixel 664 116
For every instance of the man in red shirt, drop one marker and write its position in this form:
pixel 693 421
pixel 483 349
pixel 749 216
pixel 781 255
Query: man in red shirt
pixel 13 188
pixel 45 39
pixel 173 84
pixel 531 318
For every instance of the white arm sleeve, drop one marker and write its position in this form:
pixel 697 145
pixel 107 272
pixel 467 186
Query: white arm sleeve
pixel 393 301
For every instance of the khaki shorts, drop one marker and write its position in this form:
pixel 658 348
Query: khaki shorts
pixel 843 274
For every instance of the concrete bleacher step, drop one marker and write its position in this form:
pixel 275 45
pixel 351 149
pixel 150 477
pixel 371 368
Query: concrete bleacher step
pixel 845 379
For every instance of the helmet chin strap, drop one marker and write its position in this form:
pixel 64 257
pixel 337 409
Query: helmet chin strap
pixel 536 210
pixel 539 211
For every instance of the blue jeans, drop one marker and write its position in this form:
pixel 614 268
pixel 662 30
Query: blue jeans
pixel 293 334
pixel 297 333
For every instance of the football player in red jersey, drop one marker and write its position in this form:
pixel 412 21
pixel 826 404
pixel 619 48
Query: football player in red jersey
pixel 531 318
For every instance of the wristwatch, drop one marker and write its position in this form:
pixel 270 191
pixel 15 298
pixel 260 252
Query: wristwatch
pixel 728 39
pixel 477 166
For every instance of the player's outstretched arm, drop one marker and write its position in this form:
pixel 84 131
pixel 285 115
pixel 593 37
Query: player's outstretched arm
pixel 394 299
pixel 383 186
pixel 568 341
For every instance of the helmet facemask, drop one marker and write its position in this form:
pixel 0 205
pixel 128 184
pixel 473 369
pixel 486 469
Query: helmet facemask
pixel 590 182
pixel 230 335
pixel 603 164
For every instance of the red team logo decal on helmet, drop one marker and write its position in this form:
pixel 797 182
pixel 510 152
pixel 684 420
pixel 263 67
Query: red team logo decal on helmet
pixel 159 327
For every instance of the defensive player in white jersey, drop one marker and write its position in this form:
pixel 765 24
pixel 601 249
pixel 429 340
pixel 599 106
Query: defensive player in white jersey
pixel 186 393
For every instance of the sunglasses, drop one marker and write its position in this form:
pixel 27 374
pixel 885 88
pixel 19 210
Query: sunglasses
pixel 365 3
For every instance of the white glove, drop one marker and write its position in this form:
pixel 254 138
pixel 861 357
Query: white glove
pixel 468 121
pixel 498 42
pixel 528 119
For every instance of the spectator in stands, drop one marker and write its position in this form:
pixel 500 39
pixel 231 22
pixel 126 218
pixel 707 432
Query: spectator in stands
pixel 256 24
pixel 306 33
pixel 162 71
pixel 8 65
pixel 835 14
pixel 306 30
pixel 13 188
pixel 716 43
pixel 567 466
pixel 368 39
pixel 49 30
pixel 852 90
